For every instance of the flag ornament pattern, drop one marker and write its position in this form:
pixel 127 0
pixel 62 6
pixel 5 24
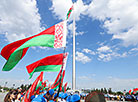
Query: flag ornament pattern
pixel 69 12
pixel 51 63
pixel 54 37
pixel 60 30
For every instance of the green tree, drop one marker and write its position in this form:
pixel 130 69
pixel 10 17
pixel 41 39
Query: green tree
pixel 102 90
pixel 110 91
pixel 22 86
pixel 119 93
pixel 105 90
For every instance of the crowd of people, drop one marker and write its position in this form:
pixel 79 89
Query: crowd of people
pixel 14 95
pixel 111 97
pixel 17 95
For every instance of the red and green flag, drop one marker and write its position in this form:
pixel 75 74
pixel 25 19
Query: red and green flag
pixel 39 85
pixel 44 83
pixel 54 37
pixel 61 74
pixel 56 84
pixel 31 90
pixel 49 85
pixel 130 92
pixel 51 63
pixel 64 87
pixel 69 12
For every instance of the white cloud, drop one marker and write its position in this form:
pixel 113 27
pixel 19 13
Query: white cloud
pixel 70 30
pixel 80 8
pixel 109 56
pixel 84 78
pixel 82 58
pixel 88 51
pixel 104 49
pixel 119 18
pixel 34 48
pixel 124 54
pixel 61 7
pixel 80 33
pixel 19 19
pixel 44 48
pixel 134 49
pixel 93 75
pixel 122 83
pixel 106 53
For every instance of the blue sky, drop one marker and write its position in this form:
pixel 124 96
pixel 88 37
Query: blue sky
pixel 106 40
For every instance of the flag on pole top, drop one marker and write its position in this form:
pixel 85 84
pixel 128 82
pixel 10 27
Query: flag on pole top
pixel 69 12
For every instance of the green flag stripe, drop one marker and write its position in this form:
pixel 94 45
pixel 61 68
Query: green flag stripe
pixel 69 13
pixel 38 85
pixel 56 87
pixel 58 81
pixel 51 68
pixel 48 68
pixel 13 60
pixel 43 40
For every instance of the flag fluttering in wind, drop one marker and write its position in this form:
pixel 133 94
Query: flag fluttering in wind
pixel 54 37
pixel 44 83
pixel 57 82
pixel 64 87
pixel 130 92
pixel 31 90
pixel 133 91
pixel 69 12
pixel 60 76
pixel 51 63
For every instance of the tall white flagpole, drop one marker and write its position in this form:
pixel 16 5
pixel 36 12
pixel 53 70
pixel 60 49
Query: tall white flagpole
pixel 73 70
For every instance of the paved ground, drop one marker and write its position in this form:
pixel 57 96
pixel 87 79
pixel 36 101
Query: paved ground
pixel 2 95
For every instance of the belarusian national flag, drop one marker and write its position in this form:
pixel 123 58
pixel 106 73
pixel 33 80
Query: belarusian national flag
pixel 51 63
pixel 61 74
pixel 64 88
pixel 130 91
pixel 39 85
pixel 54 37
pixel 44 83
pixel 57 81
pixel 31 90
pixel 69 12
